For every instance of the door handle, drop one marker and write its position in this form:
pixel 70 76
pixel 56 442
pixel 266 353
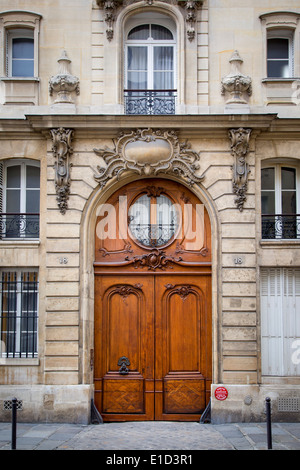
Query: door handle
pixel 123 362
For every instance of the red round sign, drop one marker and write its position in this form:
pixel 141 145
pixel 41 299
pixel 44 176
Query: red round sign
pixel 221 393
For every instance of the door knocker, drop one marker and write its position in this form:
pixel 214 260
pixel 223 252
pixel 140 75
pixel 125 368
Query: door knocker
pixel 123 362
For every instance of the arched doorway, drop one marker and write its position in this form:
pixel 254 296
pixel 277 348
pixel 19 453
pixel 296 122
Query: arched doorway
pixel 153 338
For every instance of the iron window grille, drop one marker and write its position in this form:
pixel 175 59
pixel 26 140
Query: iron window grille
pixel 19 314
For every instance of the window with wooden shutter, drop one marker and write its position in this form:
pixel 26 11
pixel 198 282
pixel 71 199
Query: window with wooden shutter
pixel 280 321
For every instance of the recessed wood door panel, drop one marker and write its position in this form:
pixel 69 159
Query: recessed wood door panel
pixel 124 356
pixel 181 373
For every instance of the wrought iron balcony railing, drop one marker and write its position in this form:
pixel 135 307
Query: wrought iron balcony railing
pixel 19 225
pixel 150 101
pixel 281 226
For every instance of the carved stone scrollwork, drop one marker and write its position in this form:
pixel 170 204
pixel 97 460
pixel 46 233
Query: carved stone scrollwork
pixel 62 152
pixel 149 152
pixel 111 6
pixel 240 149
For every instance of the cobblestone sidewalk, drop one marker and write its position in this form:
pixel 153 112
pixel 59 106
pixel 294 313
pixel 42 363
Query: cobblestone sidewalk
pixel 151 436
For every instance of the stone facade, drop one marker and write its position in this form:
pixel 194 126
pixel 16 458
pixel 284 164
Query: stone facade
pixel 235 138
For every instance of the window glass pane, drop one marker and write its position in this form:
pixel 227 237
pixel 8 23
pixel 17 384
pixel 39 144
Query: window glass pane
pixel 267 178
pixel 288 178
pixel 163 81
pixel 268 202
pixel 160 33
pixel 13 179
pixel 22 48
pixel 288 202
pixel 33 201
pixel 139 32
pixel 137 81
pixel 13 200
pixel 22 68
pixel 278 48
pixel 137 68
pixel 163 68
pixel 32 176
pixel 137 58
pixel 163 58
pixel 278 68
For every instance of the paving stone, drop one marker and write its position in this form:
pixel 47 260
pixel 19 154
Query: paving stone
pixel 151 436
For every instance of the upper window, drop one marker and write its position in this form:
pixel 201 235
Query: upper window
pixel 279 202
pixel 280 54
pixel 150 70
pixel 20 53
pixel 281 48
pixel 20 197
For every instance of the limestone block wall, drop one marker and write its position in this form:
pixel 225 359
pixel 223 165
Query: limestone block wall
pixel 236 266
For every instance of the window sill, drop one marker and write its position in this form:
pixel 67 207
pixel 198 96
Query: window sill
pixel 19 361
pixel 18 242
pixel 19 79
pixel 280 79
pixel 280 242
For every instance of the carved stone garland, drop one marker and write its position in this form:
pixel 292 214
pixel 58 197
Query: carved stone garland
pixel 148 152
pixel 240 149
pixel 62 152
pixel 111 6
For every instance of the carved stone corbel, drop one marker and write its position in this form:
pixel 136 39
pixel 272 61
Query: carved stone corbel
pixel 191 8
pixel 110 8
pixel 62 152
pixel 240 149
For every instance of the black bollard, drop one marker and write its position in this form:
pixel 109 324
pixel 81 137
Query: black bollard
pixel 268 416
pixel 14 424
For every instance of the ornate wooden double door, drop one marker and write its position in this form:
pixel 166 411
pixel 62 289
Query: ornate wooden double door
pixel 153 305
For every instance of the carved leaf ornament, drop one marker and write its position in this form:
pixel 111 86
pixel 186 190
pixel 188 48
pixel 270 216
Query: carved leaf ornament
pixel 148 152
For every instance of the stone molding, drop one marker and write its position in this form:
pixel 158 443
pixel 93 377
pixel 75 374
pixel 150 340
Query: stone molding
pixel 62 152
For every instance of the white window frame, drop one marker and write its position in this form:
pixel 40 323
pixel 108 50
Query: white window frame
pixel 278 186
pixel 150 44
pixel 3 186
pixel 283 34
pixel 17 33
pixel 23 164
